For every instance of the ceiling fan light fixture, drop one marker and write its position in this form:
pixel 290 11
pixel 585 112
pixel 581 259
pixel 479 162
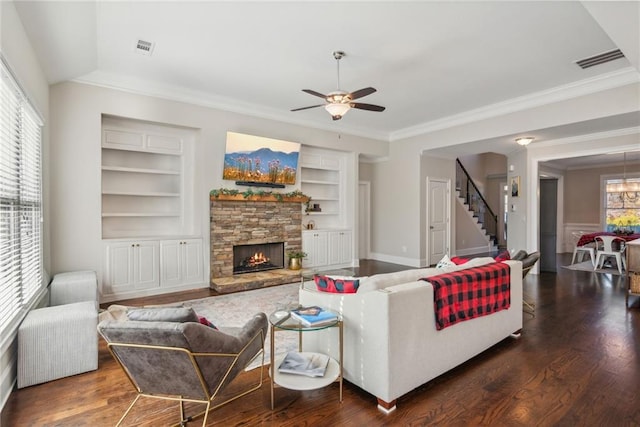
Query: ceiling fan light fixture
pixel 337 110
pixel 339 102
pixel 525 140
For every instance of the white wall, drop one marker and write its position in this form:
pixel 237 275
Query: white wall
pixel 21 57
pixel 622 140
pixel 400 214
pixel 75 159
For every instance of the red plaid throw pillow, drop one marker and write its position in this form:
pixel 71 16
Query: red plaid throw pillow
pixel 336 285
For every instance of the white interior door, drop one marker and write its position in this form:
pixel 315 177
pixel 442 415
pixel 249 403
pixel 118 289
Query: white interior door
pixel 364 219
pixel 438 219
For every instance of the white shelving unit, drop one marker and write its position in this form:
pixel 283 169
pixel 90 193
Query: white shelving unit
pixel 143 182
pixel 148 216
pixel 323 178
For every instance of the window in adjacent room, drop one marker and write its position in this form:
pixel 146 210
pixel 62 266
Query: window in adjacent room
pixel 20 201
pixel 622 204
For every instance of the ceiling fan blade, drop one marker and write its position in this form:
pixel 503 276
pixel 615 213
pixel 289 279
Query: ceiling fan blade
pixel 369 107
pixel 306 108
pixel 314 93
pixel 362 92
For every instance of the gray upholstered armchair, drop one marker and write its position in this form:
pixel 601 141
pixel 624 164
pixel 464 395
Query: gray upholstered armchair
pixel 528 261
pixel 168 354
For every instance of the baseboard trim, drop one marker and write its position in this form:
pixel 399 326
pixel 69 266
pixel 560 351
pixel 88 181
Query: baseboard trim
pixel 410 262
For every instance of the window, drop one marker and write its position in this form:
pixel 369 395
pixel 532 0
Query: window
pixel 20 201
pixel 623 204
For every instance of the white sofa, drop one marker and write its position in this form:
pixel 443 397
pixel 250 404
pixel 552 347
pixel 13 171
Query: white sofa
pixel 391 345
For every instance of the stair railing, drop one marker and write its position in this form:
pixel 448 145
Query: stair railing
pixel 473 198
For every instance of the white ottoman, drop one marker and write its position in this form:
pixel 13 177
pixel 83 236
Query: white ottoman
pixel 74 286
pixel 61 340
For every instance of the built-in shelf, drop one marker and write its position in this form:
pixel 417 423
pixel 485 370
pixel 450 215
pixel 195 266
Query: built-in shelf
pixel 140 214
pixel 317 181
pixel 322 213
pixel 146 187
pixel 322 177
pixel 140 170
pixel 139 194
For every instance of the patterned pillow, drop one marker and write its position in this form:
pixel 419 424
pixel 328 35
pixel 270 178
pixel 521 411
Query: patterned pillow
pixel 459 261
pixel 340 285
pixel 203 320
pixel 445 262
pixel 503 256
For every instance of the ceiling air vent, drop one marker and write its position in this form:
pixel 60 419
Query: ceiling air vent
pixel 601 58
pixel 144 47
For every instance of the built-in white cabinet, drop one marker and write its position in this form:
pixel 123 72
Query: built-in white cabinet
pixel 327 248
pixel 144 267
pixel 314 243
pixel 181 262
pixel 340 244
pixel 148 202
pixel 131 266
pixel 324 175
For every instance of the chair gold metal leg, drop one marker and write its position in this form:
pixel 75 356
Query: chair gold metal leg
pixel 529 307
pixel 128 409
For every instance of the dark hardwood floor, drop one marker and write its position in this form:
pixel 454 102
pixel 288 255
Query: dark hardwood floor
pixel 577 363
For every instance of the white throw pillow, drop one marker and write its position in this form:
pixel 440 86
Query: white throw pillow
pixel 445 262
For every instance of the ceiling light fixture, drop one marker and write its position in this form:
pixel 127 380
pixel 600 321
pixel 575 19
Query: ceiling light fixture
pixel 337 110
pixel 629 189
pixel 339 100
pixel 525 140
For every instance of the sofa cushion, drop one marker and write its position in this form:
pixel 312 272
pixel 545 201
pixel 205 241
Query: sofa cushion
pixel 337 284
pixel 384 280
pixel 473 262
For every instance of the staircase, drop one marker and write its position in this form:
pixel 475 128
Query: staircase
pixel 476 206
pixel 492 245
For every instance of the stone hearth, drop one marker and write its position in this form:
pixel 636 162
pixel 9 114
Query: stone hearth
pixel 240 222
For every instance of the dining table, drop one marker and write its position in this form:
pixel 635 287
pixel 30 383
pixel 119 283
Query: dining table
pixel 591 237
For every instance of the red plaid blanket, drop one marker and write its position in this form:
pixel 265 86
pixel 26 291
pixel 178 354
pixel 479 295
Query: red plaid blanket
pixel 470 293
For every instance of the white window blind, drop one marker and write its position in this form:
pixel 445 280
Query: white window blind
pixel 20 201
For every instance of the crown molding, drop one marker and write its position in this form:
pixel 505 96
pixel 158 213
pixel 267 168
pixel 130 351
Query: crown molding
pixel 189 96
pixel 623 77
pixel 635 130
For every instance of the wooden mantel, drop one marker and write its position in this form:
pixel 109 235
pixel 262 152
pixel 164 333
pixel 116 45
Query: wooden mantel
pixel 259 198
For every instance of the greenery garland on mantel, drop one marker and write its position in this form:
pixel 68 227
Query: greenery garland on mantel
pixel 249 194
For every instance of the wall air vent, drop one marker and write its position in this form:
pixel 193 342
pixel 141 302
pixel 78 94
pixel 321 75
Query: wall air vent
pixel 601 58
pixel 144 47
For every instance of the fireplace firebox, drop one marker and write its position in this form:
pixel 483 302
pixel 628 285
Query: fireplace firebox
pixel 260 257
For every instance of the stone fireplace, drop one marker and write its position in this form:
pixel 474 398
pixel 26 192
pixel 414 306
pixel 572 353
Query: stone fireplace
pixel 237 222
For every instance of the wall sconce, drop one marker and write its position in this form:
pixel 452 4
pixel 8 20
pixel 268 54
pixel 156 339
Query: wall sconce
pixel 525 140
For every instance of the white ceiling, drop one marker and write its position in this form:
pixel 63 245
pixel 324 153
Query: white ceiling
pixel 430 61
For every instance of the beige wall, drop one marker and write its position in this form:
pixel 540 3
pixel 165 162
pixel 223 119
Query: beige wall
pixel 365 171
pixel 76 134
pixel 582 195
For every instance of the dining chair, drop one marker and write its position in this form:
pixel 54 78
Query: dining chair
pixel 605 249
pixel 579 251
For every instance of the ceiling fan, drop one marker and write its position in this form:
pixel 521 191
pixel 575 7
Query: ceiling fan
pixel 339 102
